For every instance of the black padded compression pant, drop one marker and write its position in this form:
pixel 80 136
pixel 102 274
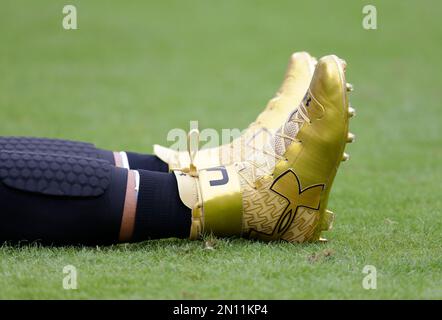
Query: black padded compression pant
pixel 82 149
pixel 65 199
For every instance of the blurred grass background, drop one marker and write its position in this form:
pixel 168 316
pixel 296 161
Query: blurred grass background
pixel 135 69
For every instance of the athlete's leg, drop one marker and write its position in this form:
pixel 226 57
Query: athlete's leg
pixel 61 199
pixel 123 159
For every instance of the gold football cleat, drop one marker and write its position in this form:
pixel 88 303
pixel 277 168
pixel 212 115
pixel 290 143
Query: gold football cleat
pixel 282 190
pixel 297 79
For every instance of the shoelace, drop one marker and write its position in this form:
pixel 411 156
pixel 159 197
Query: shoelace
pixel 302 111
pixel 193 139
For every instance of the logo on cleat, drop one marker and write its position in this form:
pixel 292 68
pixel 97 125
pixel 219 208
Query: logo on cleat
pixel 287 185
pixel 224 177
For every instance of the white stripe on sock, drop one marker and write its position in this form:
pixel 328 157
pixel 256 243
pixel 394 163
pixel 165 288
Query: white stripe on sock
pixel 124 160
pixel 137 182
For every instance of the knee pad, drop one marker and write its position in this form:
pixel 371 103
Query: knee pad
pixel 54 174
pixel 54 146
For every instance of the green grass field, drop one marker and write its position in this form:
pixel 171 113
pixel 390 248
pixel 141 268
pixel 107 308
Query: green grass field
pixel 134 70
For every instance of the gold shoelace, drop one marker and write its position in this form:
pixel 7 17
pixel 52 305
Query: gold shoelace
pixel 302 111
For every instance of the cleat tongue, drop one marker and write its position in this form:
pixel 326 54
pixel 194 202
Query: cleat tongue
pixel 349 87
pixel 345 157
pixel 350 137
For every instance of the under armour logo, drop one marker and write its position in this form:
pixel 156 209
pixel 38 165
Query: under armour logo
pixel 287 185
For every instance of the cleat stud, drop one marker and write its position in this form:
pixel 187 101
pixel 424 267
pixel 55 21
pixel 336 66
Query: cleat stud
pixel 351 112
pixel 345 157
pixel 344 63
pixel 350 137
pixel 349 87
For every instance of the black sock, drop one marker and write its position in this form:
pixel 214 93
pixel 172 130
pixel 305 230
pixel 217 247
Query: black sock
pixel 146 162
pixel 160 211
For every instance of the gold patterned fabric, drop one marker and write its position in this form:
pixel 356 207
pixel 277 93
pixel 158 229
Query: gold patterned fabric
pixel 280 191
